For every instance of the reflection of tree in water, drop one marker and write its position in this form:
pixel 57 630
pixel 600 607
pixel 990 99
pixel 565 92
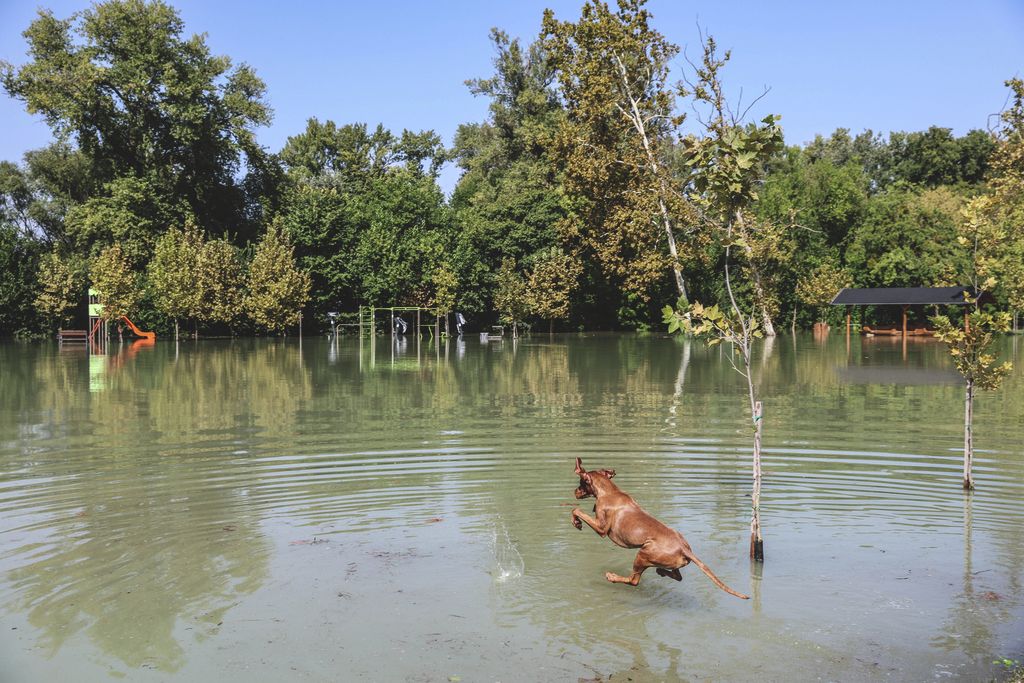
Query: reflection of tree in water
pixel 975 612
pixel 139 539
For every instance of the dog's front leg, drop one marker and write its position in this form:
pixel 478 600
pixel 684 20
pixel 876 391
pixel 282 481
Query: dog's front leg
pixel 599 525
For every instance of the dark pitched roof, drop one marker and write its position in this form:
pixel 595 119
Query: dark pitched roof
pixel 882 296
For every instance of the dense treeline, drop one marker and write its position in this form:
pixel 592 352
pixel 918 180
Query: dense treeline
pixel 581 203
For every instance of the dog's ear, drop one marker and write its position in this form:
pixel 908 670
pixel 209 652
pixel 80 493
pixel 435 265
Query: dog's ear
pixel 608 473
pixel 579 467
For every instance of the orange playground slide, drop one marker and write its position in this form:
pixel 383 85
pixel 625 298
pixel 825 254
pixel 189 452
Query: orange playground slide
pixel 151 336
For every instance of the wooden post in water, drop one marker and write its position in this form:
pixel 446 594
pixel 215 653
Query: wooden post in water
pixel 904 322
pixel 756 542
pixel 968 436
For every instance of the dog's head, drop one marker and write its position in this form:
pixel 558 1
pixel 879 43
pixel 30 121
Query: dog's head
pixel 586 488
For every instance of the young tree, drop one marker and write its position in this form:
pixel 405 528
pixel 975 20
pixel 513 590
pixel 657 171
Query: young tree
pixel 221 279
pixel 992 229
pixel 276 290
pixel 820 286
pixel 446 287
pixel 613 70
pixel 551 284
pixel 726 163
pixel 511 295
pixel 112 276
pixel 174 273
pixel 969 346
pixel 60 286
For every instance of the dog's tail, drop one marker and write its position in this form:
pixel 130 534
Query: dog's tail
pixel 711 575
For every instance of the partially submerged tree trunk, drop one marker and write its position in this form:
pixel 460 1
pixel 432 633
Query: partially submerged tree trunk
pixel 968 436
pixel 756 542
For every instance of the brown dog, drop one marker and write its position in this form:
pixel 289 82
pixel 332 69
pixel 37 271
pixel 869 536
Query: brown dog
pixel 630 526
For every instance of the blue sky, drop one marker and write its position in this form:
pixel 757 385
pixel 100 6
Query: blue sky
pixel 896 65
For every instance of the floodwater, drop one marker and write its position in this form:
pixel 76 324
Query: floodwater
pixel 257 510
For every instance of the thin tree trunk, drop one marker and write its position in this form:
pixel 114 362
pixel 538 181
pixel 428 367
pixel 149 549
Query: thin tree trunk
pixel 756 542
pixel 969 436
pixel 175 329
pixel 766 319
pixel 666 221
pixel 551 326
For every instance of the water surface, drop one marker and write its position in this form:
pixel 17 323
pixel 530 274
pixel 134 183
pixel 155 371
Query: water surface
pixel 270 510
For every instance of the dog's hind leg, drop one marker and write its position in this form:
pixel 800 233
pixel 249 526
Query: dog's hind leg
pixel 670 573
pixel 641 563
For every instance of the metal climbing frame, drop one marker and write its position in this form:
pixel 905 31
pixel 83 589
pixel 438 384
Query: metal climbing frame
pixel 368 319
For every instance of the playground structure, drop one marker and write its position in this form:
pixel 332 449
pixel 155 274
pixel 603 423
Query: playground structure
pixel 393 323
pixel 99 328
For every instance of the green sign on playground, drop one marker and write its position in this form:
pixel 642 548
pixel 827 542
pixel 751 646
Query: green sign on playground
pixel 95 307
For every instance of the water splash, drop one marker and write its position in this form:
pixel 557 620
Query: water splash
pixel 506 555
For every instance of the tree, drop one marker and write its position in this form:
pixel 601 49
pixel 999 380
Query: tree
pixel 113 277
pixel 174 273
pixel 613 70
pixel 220 281
pixel 988 222
pixel 727 162
pixel 60 288
pixel 908 239
pixel 1003 205
pixel 510 295
pixel 551 283
pixel 130 212
pixel 508 202
pixel 142 100
pixel 969 346
pixel 365 213
pixel 19 265
pixel 276 290
pixel 446 287
pixel 818 288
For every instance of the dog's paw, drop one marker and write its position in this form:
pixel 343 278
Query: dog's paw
pixel 576 521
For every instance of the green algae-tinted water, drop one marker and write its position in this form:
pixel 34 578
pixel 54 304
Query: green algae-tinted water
pixel 394 511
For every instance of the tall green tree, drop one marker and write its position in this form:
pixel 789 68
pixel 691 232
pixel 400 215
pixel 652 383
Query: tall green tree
pixel 141 99
pixel 626 208
pixel 507 202
pixel 1002 205
pixel 19 265
pixel 365 213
